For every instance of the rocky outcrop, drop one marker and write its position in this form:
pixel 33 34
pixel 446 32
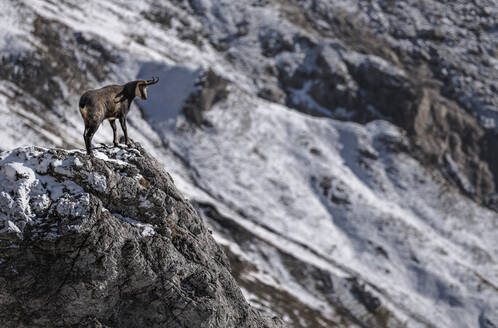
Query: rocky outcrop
pixel 209 88
pixel 108 242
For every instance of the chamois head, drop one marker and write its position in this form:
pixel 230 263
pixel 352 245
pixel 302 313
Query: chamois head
pixel 141 87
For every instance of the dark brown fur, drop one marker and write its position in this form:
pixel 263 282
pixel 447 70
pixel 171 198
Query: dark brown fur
pixel 111 103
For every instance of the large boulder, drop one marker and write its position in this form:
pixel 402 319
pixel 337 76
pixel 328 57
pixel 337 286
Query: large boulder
pixel 209 89
pixel 108 242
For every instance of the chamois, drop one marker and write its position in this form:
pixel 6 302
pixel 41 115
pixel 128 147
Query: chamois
pixel 110 103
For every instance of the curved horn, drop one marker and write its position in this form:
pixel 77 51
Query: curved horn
pixel 153 81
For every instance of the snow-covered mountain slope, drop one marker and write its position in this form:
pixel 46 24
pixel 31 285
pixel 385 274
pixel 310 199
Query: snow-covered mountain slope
pixel 327 223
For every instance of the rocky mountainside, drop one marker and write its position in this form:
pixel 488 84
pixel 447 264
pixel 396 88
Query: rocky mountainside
pixel 109 242
pixel 342 152
pixel 428 66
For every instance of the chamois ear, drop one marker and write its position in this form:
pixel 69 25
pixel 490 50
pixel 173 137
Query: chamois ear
pixel 141 90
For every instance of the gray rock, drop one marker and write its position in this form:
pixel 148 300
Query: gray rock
pixel 210 88
pixel 108 242
pixel 274 42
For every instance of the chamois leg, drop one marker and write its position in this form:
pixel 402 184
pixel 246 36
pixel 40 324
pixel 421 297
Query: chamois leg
pixel 88 135
pixel 122 120
pixel 114 132
pixel 84 137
